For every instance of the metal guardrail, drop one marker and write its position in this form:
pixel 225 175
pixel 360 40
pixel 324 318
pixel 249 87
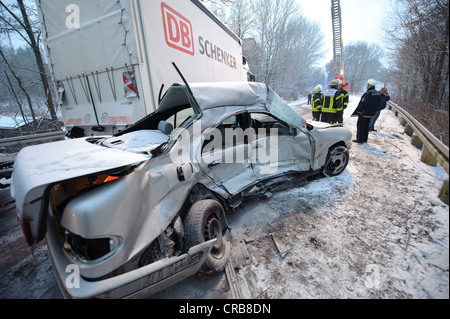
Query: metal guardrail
pixel 433 151
pixel 6 167
pixel 33 138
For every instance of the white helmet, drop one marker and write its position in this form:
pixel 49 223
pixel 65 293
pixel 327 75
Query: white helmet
pixel 317 89
pixel 371 82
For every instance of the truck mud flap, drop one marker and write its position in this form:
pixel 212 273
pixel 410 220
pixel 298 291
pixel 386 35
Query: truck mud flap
pixel 137 283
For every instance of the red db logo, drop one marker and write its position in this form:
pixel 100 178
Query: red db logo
pixel 177 30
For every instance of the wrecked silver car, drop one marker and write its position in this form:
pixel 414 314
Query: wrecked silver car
pixel 131 214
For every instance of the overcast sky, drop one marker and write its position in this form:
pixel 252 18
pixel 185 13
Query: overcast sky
pixel 361 20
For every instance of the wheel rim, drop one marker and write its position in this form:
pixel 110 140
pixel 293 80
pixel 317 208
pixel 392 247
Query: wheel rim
pixel 338 161
pixel 213 230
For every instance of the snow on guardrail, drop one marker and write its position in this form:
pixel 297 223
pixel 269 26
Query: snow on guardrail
pixel 32 138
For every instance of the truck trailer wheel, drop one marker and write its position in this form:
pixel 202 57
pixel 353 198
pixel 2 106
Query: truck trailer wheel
pixel 205 221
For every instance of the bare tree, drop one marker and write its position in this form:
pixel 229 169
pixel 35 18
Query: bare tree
pixel 219 7
pixel 22 26
pixel 302 49
pixel 418 33
pixel 288 45
pixel 273 18
pixel 240 18
pixel 362 61
pixel 219 2
pixel 19 81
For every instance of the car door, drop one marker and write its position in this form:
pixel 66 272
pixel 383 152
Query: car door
pixel 278 148
pixel 226 154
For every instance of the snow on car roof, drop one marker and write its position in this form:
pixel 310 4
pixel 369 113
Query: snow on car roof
pixel 209 95
pixel 217 94
pixel 222 98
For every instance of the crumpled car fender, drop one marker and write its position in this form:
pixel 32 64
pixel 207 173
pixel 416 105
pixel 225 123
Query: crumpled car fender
pixel 324 139
pixel 136 208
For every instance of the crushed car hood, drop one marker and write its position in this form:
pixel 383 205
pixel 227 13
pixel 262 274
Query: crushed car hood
pixel 38 166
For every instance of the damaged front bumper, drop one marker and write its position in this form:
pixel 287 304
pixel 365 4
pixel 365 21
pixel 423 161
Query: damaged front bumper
pixel 137 283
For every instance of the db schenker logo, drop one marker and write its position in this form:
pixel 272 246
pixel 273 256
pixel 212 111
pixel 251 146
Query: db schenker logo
pixel 177 30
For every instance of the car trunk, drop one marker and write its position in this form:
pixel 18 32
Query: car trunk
pixel 39 167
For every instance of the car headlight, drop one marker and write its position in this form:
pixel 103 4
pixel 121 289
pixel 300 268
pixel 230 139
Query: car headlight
pixel 90 249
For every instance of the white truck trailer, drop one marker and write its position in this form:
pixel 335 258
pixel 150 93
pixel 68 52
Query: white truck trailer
pixel 109 58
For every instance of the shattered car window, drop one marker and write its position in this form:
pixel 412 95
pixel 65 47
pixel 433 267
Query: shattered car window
pixel 282 110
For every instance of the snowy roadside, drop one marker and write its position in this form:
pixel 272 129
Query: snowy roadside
pixel 376 231
pixel 301 106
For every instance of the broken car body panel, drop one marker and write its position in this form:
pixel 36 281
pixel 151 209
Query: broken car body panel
pixel 37 167
pixel 113 206
pixel 140 282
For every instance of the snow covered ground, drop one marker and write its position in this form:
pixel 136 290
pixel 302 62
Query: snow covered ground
pixel 376 231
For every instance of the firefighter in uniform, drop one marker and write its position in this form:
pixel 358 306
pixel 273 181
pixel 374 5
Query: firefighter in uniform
pixel 344 103
pixel 331 103
pixel 317 102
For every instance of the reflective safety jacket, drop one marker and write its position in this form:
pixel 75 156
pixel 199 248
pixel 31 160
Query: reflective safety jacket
pixel 344 100
pixel 317 102
pixel 331 100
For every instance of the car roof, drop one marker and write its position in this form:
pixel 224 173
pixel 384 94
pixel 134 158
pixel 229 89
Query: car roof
pixel 215 94
pixel 220 99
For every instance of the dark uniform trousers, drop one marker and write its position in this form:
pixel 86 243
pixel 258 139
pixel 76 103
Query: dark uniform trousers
pixel 362 129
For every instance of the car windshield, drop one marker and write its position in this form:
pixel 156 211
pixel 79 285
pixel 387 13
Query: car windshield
pixel 283 111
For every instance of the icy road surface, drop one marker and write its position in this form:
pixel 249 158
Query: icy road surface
pixel 376 231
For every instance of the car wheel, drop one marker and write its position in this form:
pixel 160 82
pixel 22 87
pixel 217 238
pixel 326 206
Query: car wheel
pixel 336 162
pixel 205 221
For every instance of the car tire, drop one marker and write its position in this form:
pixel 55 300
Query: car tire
pixel 337 161
pixel 205 221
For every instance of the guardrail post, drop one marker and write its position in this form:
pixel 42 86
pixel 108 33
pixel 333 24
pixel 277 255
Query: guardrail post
pixel 443 194
pixel 416 141
pixel 427 157
pixel 408 130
